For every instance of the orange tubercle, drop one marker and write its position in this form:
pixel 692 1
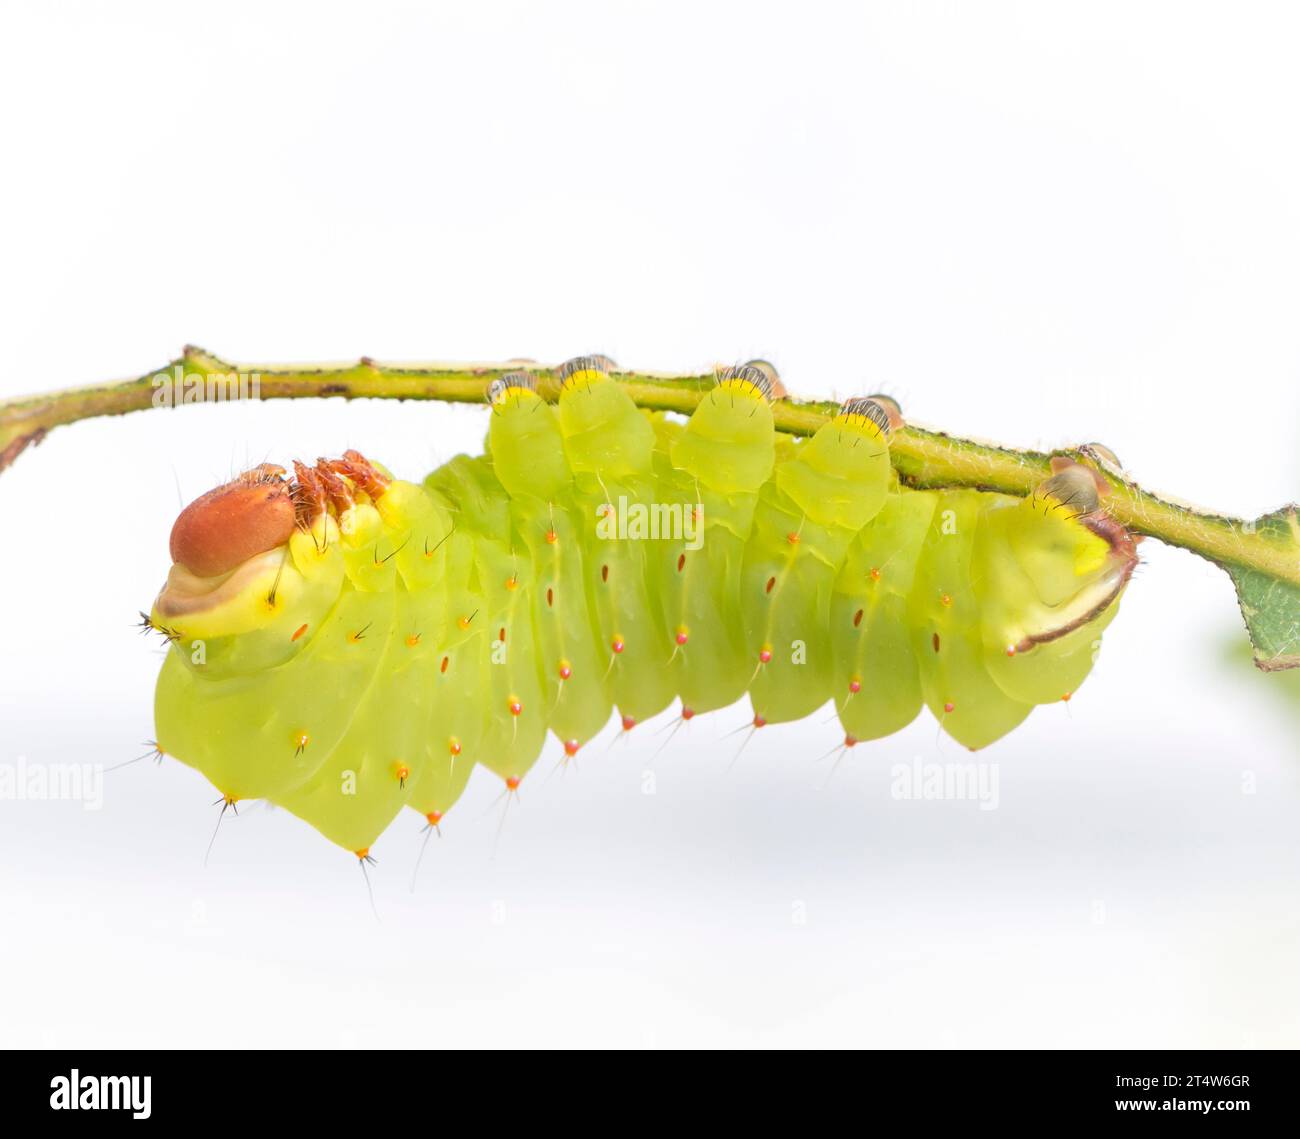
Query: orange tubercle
pixel 362 472
pixel 571 747
pixel 512 782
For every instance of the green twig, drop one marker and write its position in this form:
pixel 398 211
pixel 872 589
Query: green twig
pixel 1263 556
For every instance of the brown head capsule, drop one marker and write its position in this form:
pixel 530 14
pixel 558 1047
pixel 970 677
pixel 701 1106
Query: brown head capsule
pixel 238 520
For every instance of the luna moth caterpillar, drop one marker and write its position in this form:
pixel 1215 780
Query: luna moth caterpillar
pixel 344 643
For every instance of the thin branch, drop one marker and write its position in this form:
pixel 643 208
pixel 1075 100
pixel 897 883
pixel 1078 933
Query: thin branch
pixel 922 457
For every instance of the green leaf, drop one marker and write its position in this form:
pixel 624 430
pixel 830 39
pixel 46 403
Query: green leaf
pixel 1271 606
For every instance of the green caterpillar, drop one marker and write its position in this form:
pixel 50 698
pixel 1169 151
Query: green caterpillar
pixel 345 644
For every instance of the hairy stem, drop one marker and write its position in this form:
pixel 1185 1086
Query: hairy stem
pixel 923 458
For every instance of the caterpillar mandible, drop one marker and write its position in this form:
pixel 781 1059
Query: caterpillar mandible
pixel 344 643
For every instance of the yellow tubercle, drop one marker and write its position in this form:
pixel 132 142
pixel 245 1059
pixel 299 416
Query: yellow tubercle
pixel 514 393
pixel 740 386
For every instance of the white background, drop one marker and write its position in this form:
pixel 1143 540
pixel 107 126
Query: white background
pixel 1043 224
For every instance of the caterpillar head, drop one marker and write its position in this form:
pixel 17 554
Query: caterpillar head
pixel 226 549
pixel 222 529
pixel 257 561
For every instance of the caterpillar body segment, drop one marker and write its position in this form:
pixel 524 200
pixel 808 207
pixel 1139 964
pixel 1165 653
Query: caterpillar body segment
pixel 601 557
pixel 946 632
pixel 876 678
pixel 527 444
pixel 497 611
pixel 822 493
pixel 511 669
pixel 717 463
pixel 610 447
pixel 410 582
pixel 1041 630
pixel 257 735
pixel 453 655
pixel 373 765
